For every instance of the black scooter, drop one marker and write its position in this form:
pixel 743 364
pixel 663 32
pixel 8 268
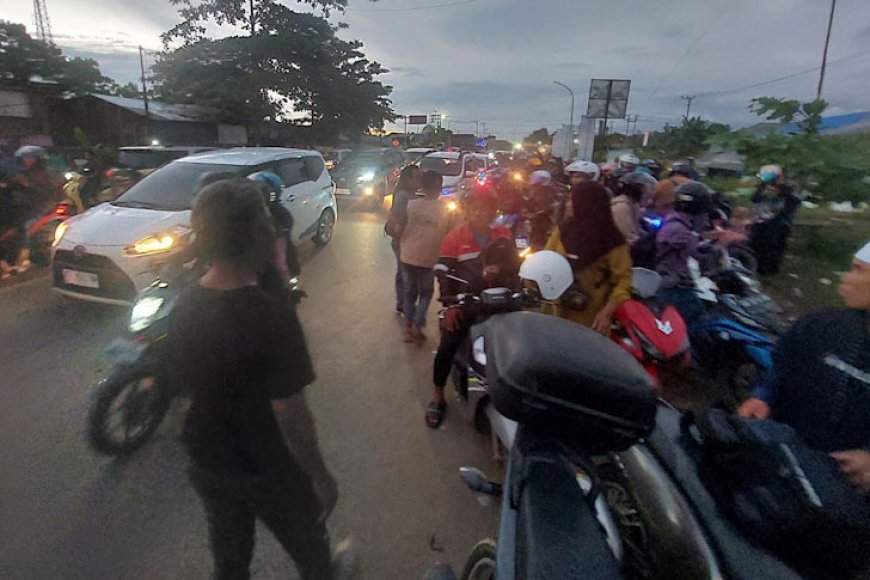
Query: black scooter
pixel 574 395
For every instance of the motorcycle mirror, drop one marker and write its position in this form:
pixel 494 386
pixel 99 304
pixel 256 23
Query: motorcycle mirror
pixel 473 478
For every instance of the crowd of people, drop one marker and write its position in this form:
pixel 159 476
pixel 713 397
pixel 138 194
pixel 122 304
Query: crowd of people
pixel 820 382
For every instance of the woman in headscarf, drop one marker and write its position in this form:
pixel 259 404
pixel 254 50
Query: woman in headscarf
pixel 599 257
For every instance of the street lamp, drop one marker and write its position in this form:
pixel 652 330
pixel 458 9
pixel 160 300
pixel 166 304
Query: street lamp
pixel 567 88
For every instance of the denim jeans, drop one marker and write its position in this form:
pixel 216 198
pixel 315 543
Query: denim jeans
pixel 419 286
pixel 400 290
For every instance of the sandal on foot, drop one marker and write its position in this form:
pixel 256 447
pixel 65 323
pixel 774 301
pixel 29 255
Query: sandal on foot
pixel 435 414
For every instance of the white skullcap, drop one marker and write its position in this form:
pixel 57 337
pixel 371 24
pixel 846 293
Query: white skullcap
pixel 864 253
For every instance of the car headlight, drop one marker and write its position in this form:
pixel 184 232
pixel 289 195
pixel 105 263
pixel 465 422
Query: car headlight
pixel 156 243
pixel 367 176
pixel 369 190
pixel 59 232
pixel 144 312
pixel 452 206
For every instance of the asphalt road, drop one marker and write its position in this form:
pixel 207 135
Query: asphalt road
pixel 66 512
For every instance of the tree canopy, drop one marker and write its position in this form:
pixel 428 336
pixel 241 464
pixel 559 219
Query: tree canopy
pixel 23 58
pixel 293 68
pixel 537 136
pixel 690 138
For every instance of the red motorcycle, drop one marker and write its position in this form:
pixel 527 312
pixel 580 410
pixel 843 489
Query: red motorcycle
pixel 652 332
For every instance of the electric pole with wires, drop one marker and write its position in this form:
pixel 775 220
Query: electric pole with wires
pixel 825 51
pixel 41 21
pixel 688 99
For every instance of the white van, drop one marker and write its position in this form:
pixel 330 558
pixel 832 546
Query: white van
pixel 113 250
pixel 455 168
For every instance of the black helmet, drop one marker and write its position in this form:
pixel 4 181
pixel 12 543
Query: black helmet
pixel 693 198
pixel 681 168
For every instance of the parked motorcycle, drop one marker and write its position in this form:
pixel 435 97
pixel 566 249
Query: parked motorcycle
pixel 572 396
pixel 651 331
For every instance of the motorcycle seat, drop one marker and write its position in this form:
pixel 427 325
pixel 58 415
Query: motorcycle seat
pixel 738 557
pixel 567 379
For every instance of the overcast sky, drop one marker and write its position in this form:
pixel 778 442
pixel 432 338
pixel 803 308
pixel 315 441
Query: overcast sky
pixel 495 61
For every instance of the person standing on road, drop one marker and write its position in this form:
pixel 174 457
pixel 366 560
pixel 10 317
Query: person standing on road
pixel 406 190
pixel 599 257
pixel 775 204
pixel 240 352
pixel 820 380
pixel 427 224
pixel 462 252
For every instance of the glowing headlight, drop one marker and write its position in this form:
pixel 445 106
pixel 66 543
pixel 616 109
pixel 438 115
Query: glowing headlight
pixel 369 190
pixel 153 244
pixel 59 231
pixel 144 311
pixel 367 176
pixel 517 176
pixel 452 206
pixel 69 175
pixel 478 350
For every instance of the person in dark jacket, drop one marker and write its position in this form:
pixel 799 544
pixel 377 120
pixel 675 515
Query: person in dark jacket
pixel 820 380
pixel 406 190
pixel 775 204
pixel 238 348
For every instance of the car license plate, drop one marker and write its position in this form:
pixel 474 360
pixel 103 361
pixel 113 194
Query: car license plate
pixel 78 278
pixel 341 191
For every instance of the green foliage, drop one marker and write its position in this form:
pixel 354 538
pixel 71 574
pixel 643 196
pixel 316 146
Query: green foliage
pixel 541 136
pixel 689 139
pixel 787 110
pixel 195 14
pixel 294 64
pixel 106 155
pixel 23 57
pixel 130 90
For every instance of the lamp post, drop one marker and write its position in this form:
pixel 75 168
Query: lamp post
pixel 567 88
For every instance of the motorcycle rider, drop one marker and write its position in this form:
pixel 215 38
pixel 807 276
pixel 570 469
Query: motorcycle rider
pixel 577 172
pixel 681 172
pixel 286 257
pixel 630 195
pixel 628 162
pixel 36 188
pixel 820 380
pixel 462 251
pixel 775 204
pixel 676 242
pixel 599 257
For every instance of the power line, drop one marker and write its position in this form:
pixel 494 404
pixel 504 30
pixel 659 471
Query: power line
pixel 412 8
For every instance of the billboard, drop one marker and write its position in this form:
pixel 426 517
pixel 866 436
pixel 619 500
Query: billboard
pixel 418 119
pixel 608 98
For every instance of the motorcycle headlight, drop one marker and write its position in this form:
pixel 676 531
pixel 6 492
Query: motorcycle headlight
pixel 144 312
pixel 156 243
pixel 367 176
pixel 478 350
pixel 59 232
pixel 452 206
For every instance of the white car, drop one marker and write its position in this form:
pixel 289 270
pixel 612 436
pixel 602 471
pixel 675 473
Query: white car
pixel 455 168
pixel 112 251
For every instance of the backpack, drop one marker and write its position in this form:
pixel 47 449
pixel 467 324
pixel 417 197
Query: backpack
pixel 789 498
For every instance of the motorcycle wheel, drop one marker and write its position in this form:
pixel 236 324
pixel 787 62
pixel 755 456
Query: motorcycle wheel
pixel 128 408
pixel 481 563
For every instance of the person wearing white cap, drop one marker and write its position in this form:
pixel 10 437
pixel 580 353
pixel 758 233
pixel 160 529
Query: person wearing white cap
pixel 820 380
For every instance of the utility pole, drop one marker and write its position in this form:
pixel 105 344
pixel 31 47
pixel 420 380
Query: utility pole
pixel 41 22
pixel 144 89
pixel 252 17
pixel 571 121
pixel 825 52
pixel 688 100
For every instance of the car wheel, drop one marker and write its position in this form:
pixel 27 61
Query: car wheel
pixel 325 227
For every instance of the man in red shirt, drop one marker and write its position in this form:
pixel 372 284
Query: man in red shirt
pixel 462 251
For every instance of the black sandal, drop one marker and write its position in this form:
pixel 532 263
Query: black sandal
pixel 435 414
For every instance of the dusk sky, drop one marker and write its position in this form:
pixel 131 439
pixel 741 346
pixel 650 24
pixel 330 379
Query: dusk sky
pixel 495 61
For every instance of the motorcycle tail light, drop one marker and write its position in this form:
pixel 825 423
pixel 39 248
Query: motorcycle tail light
pixel 61 210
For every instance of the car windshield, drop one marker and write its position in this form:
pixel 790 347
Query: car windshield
pixel 368 159
pixel 148 159
pixel 443 165
pixel 173 187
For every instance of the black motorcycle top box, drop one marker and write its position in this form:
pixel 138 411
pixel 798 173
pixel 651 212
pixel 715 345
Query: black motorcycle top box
pixel 564 379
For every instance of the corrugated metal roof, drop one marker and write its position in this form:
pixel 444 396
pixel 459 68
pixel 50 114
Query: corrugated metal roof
pixel 162 111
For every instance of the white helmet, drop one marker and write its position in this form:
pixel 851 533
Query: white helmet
pixel 586 167
pixel 627 159
pixel 550 270
pixel 540 177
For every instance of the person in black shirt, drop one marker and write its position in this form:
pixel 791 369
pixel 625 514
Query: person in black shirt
pixel 239 351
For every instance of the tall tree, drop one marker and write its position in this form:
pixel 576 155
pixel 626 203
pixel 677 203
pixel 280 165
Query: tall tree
pixel 23 57
pixel 295 67
pixel 539 136
pixel 809 115
pixel 691 137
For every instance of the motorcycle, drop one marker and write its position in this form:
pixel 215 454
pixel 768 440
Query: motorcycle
pixel 652 332
pixel 571 397
pixel 130 403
